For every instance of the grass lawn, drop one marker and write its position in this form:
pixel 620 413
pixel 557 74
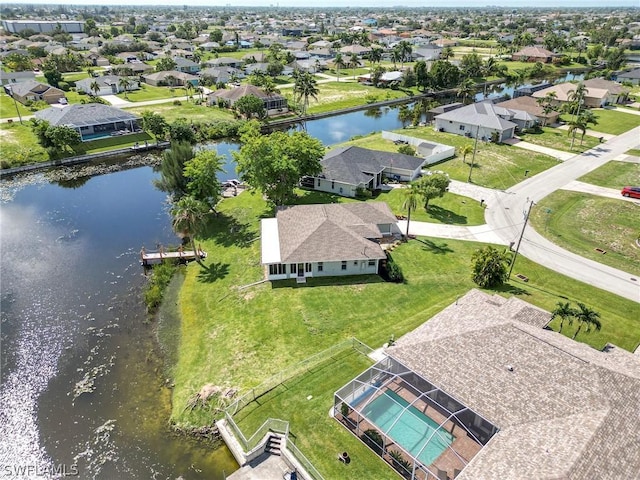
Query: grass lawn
pixel 8 107
pixel 614 175
pixel 560 140
pixel 186 110
pixel 614 122
pixel 336 95
pixel 319 437
pixel 495 166
pixel 634 151
pixel 19 146
pixel 74 76
pixel 576 223
pixel 149 92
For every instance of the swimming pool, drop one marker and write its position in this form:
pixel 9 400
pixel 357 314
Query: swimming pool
pixel 412 429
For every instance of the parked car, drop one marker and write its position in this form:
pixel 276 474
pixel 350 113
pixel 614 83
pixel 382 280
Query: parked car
pixel 633 192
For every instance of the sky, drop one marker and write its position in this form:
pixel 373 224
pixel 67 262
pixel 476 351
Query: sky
pixel 352 3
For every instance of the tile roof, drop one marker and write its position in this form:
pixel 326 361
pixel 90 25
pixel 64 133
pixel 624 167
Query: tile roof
pixel 332 232
pixel 79 115
pixel 564 410
pixel 356 165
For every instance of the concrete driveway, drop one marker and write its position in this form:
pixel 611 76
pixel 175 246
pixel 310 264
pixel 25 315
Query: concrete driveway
pixel 583 187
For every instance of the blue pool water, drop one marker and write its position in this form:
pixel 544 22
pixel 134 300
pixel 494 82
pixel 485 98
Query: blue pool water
pixel 412 430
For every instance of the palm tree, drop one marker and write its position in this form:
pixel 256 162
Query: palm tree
pixel 548 104
pixel 586 316
pixel 395 57
pixel 405 115
pixel 575 125
pixel 411 199
pixel 564 312
pixel 339 63
pixel 464 151
pixel 305 86
pixel 94 87
pixel 466 89
pixel 354 61
pixel 124 83
pixel 376 55
pixel 405 51
pixel 576 98
pixel 189 215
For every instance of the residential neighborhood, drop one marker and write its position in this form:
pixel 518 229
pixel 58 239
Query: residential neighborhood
pixel 320 242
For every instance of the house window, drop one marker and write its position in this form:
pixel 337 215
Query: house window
pixel 462 127
pixel 277 269
pixel 344 265
pixel 307 267
pixel 293 268
pixel 320 266
pixel 372 263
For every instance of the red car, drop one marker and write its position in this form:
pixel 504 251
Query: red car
pixel 633 192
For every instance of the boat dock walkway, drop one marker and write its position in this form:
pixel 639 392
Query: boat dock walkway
pixel 151 258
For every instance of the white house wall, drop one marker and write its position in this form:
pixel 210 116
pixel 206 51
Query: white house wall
pixel 450 126
pixel 338 188
pixel 331 269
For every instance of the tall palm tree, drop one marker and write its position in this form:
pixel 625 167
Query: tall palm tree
pixel 564 311
pixel 575 125
pixel 354 61
pixel 395 57
pixel 124 84
pixel 94 87
pixel 305 86
pixel 189 215
pixel 586 316
pixel 466 89
pixel 548 105
pixel 411 199
pixel 339 63
pixel 405 49
pixel 576 98
pixel 376 55
pixel 464 151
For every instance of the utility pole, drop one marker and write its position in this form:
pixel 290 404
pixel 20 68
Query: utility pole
pixel 16 105
pixel 473 159
pixel 526 219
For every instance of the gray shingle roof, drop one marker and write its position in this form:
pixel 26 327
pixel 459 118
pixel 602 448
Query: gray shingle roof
pixel 332 232
pixel 633 74
pixel 23 88
pixel 564 410
pixel 484 114
pixel 79 115
pixel 356 165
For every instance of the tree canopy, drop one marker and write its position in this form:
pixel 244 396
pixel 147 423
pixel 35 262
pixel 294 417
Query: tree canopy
pixel 275 163
pixel 432 186
pixel 172 179
pixel 202 175
pixel 489 267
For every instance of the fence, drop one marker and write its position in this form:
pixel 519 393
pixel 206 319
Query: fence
pixel 295 370
pixel 436 152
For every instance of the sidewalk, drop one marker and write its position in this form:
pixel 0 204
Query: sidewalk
pixel 477 233
pixel 576 186
pixel 557 154
pixel 591 133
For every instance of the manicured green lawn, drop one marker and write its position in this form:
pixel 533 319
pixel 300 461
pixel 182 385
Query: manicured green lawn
pixel 614 175
pixel 336 95
pixel 8 107
pixel 575 222
pixel 495 166
pixel 19 146
pixel 74 76
pixel 560 140
pixel 112 143
pixel 149 92
pixel 614 122
pixel 634 151
pixel 186 110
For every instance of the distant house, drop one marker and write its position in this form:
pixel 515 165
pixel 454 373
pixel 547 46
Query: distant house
pixel 15 77
pixel 273 104
pixel 617 92
pixel 171 78
pixel 357 49
pixel 531 106
pixel 431 114
pixel 185 65
pixel 109 85
pixel 221 74
pixel 529 90
pixel 32 91
pixel 224 62
pixel 483 120
pixel 426 52
pixel 632 76
pixel 347 169
pixel 325 240
pixel 594 97
pixel 385 79
pixel 92 120
pixel 534 54
pixel 97 60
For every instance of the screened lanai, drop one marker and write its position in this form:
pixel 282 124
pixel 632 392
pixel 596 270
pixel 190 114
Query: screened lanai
pixel 420 430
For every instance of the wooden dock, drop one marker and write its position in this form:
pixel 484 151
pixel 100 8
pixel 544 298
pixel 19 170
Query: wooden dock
pixel 152 258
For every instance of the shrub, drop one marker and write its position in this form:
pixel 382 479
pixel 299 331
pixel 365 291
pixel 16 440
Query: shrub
pixel 345 409
pixel 392 271
pixel 373 440
pixel 158 282
pixel 177 102
pixel 64 86
pixel 363 193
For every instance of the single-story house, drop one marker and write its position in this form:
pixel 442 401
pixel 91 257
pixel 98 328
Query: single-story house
pixel 170 78
pixel 224 61
pixel 108 85
pixel 186 66
pixel 528 90
pixel 15 77
pixel 221 74
pixel 533 54
pixel 325 240
pixel 482 120
pixel 594 97
pixel 357 49
pixel 273 104
pixel 632 76
pixel 97 60
pixel 385 79
pixel 490 393
pixel 33 91
pixel 426 52
pixel 617 92
pixel 92 120
pixel 209 46
pixel 347 169
pixel 135 68
pixel 531 106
